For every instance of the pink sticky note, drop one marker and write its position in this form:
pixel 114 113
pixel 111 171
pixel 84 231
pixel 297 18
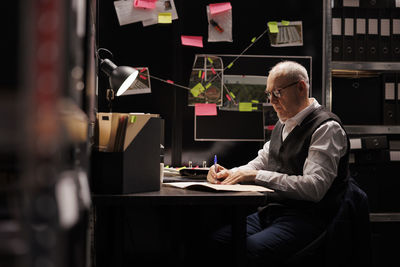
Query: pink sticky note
pixel 213 71
pixel 201 109
pixel 220 7
pixel 169 81
pixel 192 40
pixel 150 4
pixel 229 98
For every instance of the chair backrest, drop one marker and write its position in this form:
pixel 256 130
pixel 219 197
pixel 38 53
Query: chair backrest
pixel 348 237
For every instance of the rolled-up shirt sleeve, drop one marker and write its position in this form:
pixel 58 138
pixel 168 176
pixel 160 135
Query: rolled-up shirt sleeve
pixel 328 144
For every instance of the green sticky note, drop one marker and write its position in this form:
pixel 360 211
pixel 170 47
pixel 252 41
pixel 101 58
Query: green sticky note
pixel 210 60
pixel 232 95
pixel 133 119
pixel 273 27
pixel 285 22
pixel 255 101
pixel 230 65
pixel 208 85
pixel 165 18
pixel 197 89
pixel 253 40
pixel 245 106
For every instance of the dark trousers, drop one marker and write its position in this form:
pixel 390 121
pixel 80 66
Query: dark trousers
pixel 273 235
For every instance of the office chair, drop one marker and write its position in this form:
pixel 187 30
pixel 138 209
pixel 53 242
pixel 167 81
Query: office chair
pixel 347 239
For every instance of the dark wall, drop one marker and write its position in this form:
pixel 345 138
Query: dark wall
pixel 159 48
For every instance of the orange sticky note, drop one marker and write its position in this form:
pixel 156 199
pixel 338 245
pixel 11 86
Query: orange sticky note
pixel 150 4
pixel 201 109
pixel 220 7
pixel 192 40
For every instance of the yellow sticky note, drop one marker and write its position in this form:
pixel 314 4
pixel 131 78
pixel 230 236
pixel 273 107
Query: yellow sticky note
pixel 232 95
pixel 253 40
pixel 210 60
pixel 273 27
pixel 133 119
pixel 164 18
pixel 208 85
pixel 245 106
pixel 254 108
pixel 230 65
pixel 197 89
pixel 199 73
pixel 285 22
pixel 255 101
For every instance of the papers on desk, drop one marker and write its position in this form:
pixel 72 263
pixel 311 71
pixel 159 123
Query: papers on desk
pixel 206 186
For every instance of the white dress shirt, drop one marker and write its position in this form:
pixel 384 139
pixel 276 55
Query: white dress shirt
pixel 328 144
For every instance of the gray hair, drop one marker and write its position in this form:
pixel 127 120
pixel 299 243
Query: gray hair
pixel 290 69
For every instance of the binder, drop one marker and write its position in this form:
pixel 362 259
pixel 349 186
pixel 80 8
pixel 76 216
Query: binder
pixel 384 37
pixel 337 3
pixel 357 100
pixel 395 34
pixel 337 38
pixel 372 34
pixel 397 96
pixel 370 3
pixel 348 34
pixel 351 3
pixel 104 130
pixel 360 34
pixel 389 96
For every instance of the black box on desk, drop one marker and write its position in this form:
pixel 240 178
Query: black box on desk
pixel 135 169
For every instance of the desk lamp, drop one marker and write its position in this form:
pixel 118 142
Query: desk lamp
pixel 120 77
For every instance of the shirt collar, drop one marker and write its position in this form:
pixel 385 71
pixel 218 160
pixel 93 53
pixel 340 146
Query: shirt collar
pixel 299 117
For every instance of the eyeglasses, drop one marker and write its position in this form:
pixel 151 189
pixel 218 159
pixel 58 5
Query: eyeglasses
pixel 277 92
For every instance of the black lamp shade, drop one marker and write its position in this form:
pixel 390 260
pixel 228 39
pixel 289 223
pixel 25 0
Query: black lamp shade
pixel 121 78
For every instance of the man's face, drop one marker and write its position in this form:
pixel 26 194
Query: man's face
pixel 288 104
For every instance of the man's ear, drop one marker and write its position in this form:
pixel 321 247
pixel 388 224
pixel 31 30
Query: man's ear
pixel 302 87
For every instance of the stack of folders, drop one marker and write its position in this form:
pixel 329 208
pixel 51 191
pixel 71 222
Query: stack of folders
pixel 364 30
pixel 115 131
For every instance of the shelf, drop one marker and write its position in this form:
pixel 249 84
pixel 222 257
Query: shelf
pixel 385 217
pixel 376 66
pixel 372 129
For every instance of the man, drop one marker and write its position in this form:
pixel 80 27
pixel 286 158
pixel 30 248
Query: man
pixel 305 162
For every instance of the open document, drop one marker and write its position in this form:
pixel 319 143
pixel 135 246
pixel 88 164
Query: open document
pixel 206 186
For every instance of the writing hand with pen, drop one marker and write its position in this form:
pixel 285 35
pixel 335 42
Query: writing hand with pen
pixel 220 175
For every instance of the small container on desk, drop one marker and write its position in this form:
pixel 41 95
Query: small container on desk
pixel 136 167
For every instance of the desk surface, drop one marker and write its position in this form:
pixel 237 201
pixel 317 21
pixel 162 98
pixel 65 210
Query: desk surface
pixel 174 196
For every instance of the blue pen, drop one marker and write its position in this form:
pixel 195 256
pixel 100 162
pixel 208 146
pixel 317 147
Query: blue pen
pixel 215 163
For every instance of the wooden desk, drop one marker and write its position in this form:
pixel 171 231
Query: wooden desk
pixel 168 196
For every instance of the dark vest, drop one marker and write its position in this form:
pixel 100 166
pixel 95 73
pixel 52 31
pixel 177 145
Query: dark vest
pixel 289 157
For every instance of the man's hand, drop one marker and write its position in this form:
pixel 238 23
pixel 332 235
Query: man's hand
pixel 240 176
pixel 215 176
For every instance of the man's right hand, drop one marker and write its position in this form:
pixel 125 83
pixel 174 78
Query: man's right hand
pixel 215 176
